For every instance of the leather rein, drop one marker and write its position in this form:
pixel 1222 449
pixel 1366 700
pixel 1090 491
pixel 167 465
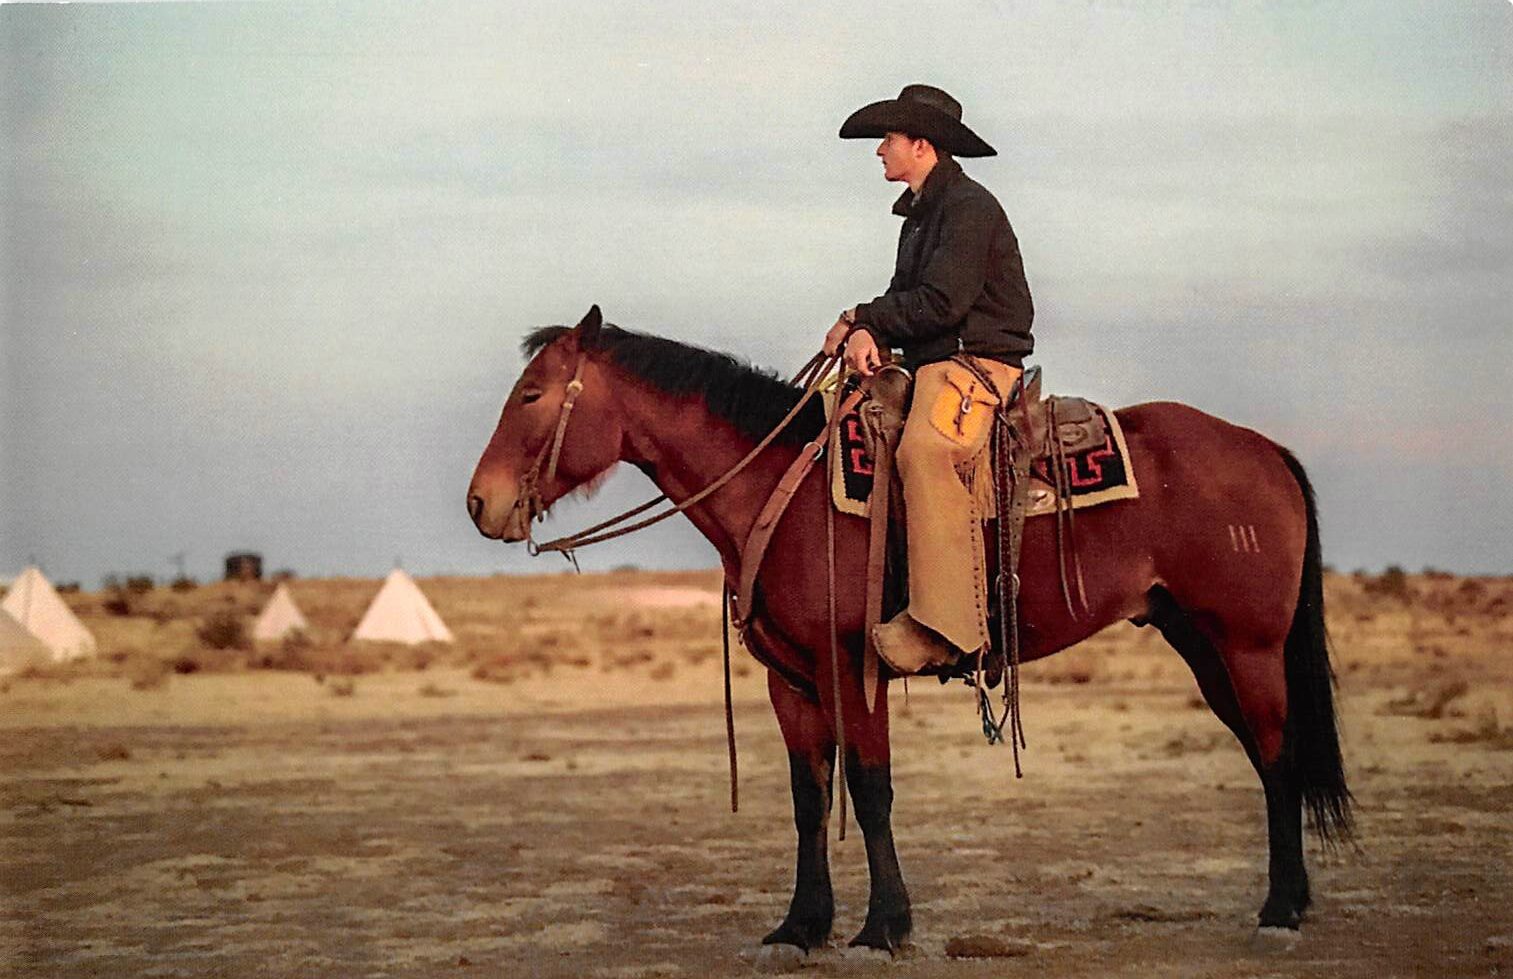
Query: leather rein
pixel 812 376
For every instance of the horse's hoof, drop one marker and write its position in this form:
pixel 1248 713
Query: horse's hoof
pixel 1280 916
pixel 778 958
pixel 884 932
pixel 806 936
pixel 1270 940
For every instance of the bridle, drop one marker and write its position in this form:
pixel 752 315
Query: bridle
pixel 549 454
pixel 813 375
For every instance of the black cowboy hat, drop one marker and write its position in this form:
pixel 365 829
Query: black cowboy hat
pixel 923 112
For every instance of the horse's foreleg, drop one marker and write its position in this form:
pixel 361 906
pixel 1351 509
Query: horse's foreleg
pixel 869 777
pixel 811 759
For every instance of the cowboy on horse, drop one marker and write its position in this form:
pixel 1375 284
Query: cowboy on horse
pixel 957 300
pixel 1222 554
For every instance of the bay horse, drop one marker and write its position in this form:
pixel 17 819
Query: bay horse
pixel 1248 620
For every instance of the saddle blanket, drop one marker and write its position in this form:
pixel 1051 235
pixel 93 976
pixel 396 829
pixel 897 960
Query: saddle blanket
pixel 1096 475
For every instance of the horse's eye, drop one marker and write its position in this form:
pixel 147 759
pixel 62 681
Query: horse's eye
pixel 530 397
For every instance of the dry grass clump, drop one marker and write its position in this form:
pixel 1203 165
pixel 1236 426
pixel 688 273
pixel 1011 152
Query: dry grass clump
pixel 343 686
pixel 114 751
pixel 200 660
pixel 1074 667
pixel 500 669
pixel 415 658
pixel 290 653
pixel 147 672
pixel 118 602
pixel 1391 583
pixel 1486 730
pixel 344 661
pixel 627 657
pixel 1428 702
pixel 224 629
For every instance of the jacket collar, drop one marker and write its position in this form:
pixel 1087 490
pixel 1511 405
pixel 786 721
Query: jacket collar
pixel 909 203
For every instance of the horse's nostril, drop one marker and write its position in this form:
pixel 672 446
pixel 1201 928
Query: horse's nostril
pixel 475 507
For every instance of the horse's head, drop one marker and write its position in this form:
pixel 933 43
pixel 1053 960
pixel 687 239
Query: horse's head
pixel 558 431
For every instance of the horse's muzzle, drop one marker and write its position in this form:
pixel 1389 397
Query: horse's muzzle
pixel 499 515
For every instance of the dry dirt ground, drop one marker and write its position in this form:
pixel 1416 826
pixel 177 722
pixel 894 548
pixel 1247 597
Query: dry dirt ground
pixel 499 813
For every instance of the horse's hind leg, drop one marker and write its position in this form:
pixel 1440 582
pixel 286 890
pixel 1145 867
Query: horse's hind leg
pixel 811 758
pixel 1247 690
pixel 1258 677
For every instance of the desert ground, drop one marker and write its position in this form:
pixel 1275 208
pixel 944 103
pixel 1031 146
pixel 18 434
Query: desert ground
pixel 548 797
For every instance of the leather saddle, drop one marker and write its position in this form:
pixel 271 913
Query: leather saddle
pixel 1078 425
pixel 1032 434
pixel 1023 436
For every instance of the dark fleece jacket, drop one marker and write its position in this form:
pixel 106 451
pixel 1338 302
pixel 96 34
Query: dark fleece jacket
pixel 958 284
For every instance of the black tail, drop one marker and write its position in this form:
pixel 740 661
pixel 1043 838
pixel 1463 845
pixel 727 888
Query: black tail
pixel 1312 734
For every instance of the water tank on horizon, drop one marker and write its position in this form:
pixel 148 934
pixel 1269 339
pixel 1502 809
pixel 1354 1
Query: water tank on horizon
pixel 244 566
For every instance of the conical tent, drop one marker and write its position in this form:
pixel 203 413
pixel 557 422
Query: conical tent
pixel 33 602
pixel 279 617
pixel 19 648
pixel 401 613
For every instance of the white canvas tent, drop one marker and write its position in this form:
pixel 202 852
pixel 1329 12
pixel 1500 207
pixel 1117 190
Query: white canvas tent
pixel 33 602
pixel 279 617
pixel 19 648
pixel 401 613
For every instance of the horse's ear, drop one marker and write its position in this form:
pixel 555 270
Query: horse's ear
pixel 587 330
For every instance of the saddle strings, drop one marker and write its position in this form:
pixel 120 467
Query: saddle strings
pixel 1005 491
pixel 1005 487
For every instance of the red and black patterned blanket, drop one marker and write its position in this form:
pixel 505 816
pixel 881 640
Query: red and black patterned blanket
pixel 1098 474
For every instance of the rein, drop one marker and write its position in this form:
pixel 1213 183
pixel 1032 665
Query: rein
pixel 814 374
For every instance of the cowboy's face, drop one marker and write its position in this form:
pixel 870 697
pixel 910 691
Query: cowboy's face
pixel 902 155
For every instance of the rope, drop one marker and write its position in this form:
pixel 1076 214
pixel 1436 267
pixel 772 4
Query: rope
pixel 835 672
pixel 1005 494
pixel 735 792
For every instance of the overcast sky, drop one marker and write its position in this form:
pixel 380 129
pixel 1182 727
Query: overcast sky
pixel 264 267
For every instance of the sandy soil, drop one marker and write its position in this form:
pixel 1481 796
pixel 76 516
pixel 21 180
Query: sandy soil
pixel 574 821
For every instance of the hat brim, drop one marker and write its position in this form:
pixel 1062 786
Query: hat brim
pixel 950 135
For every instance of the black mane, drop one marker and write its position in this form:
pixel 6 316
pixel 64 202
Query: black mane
pixel 751 399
